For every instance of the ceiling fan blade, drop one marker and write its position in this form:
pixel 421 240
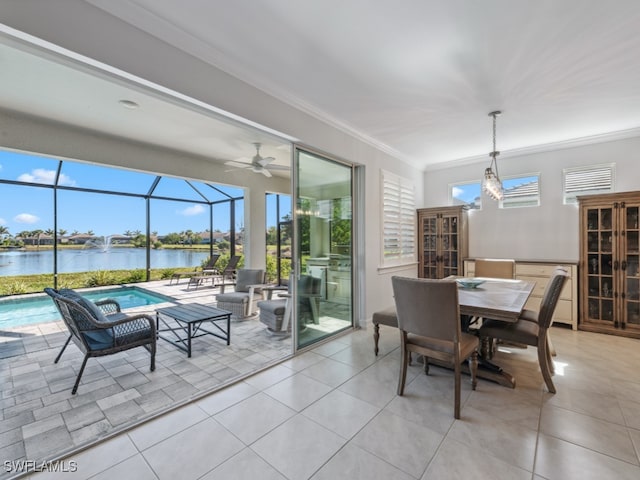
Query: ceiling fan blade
pixel 231 163
pixel 264 161
pixel 278 167
pixel 266 173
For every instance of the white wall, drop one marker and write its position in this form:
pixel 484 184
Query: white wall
pixel 77 26
pixel 547 232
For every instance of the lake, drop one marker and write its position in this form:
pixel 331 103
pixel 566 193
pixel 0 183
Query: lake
pixel 86 260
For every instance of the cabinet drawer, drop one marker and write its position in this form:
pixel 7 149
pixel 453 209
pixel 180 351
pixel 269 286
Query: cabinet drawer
pixel 541 284
pixel 537 269
pixel 562 313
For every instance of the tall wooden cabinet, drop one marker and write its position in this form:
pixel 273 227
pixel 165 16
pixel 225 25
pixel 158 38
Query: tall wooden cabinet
pixel 609 255
pixel 442 241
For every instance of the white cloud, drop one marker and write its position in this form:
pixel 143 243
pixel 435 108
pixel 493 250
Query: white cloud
pixel 40 175
pixel 192 210
pixel 3 221
pixel 26 218
pixel 456 191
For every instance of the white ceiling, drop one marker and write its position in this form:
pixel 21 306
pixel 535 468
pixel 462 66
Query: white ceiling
pixel 414 77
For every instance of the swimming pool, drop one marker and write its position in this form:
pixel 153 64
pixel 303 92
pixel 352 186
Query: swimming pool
pixel 16 312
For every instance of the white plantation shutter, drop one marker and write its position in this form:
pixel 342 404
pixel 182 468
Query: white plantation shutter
pixel 522 194
pixel 587 180
pixel 398 220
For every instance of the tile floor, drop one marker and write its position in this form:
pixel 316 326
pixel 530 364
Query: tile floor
pixel 333 413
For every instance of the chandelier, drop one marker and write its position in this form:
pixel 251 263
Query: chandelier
pixel 492 183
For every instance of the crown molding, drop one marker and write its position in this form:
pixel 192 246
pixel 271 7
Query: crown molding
pixel 542 148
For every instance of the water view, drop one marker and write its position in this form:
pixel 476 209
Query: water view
pixel 83 260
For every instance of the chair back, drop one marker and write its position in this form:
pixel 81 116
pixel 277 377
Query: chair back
pixel 550 297
pixel 232 265
pixel 213 259
pixel 77 317
pixel 247 277
pixel 495 268
pixel 427 307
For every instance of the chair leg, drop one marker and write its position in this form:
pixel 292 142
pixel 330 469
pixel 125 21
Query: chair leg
pixel 152 351
pixel 456 410
pixel 552 367
pixel 376 337
pixel 473 369
pixel 403 367
pixel 543 355
pixel 63 348
pixel 75 387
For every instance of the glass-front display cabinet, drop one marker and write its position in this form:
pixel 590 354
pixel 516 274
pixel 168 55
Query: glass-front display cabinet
pixel 609 255
pixel 442 241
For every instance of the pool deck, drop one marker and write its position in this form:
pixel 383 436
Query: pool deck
pixel 40 418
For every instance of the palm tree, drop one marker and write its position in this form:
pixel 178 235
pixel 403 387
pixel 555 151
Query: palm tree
pixel 62 232
pixel 3 231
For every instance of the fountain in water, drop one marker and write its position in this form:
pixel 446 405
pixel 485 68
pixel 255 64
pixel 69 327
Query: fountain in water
pixel 103 243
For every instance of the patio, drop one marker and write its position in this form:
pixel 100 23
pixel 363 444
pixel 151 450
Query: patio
pixel 41 418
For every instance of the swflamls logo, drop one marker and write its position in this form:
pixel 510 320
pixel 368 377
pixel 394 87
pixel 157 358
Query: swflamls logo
pixel 23 466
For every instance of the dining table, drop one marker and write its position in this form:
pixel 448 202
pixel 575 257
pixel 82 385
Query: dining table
pixel 496 299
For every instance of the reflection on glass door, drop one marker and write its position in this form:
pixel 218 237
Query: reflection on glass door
pixel 324 258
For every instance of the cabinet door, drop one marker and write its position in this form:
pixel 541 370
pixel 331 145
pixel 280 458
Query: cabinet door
pixel 429 232
pixel 600 261
pixel 449 245
pixel 630 252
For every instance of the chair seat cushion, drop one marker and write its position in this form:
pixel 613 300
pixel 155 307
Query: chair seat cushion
pixel 522 331
pixel 275 307
pixel 233 297
pixel 468 343
pixel 99 339
pixel 386 317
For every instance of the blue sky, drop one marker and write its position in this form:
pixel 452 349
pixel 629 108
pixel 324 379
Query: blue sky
pixel 26 208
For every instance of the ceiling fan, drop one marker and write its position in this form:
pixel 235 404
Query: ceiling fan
pixel 258 163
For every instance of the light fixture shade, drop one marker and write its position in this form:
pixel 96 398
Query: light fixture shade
pixel 492 184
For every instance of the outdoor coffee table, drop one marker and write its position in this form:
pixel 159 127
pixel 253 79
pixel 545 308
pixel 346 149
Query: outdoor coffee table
pixel 188 324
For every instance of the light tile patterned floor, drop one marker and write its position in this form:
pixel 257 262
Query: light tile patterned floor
pixel 283 424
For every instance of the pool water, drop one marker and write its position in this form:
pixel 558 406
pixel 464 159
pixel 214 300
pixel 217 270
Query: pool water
pixel 17 312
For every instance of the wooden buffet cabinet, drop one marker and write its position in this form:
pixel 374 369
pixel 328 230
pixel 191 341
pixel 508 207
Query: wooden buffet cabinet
pixel 609 263
pixel 442 241
pixel 540 273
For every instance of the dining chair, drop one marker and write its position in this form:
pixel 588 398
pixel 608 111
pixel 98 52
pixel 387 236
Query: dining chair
pixel 495 268
pixel 429 322
pixel 532 328
pixel 490 268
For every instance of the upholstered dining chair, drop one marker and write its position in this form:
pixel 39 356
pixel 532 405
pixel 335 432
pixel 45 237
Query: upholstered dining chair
pixel 495 268
pixel 491 268
pixel 531 328
pixel 429 322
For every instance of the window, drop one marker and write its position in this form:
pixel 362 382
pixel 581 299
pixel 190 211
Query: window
pixel 587 181
pixel 466 193
pixel 398 220
pixel 521 191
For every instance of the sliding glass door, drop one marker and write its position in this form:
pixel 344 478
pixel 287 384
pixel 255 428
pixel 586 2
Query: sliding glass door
pixel 324 253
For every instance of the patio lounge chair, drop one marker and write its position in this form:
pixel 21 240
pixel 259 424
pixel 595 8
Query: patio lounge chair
pixel 208 269
pixel 100 328
pixel 228 273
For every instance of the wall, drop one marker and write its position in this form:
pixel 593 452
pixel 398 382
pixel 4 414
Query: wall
pixel 79 27
pixel 547 232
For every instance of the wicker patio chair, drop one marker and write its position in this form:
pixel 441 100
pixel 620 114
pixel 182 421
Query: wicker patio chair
pixel 97 334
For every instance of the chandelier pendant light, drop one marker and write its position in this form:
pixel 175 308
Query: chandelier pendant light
pixel 491 183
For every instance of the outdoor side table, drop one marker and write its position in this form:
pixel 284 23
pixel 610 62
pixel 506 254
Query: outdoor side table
pixel 188 324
